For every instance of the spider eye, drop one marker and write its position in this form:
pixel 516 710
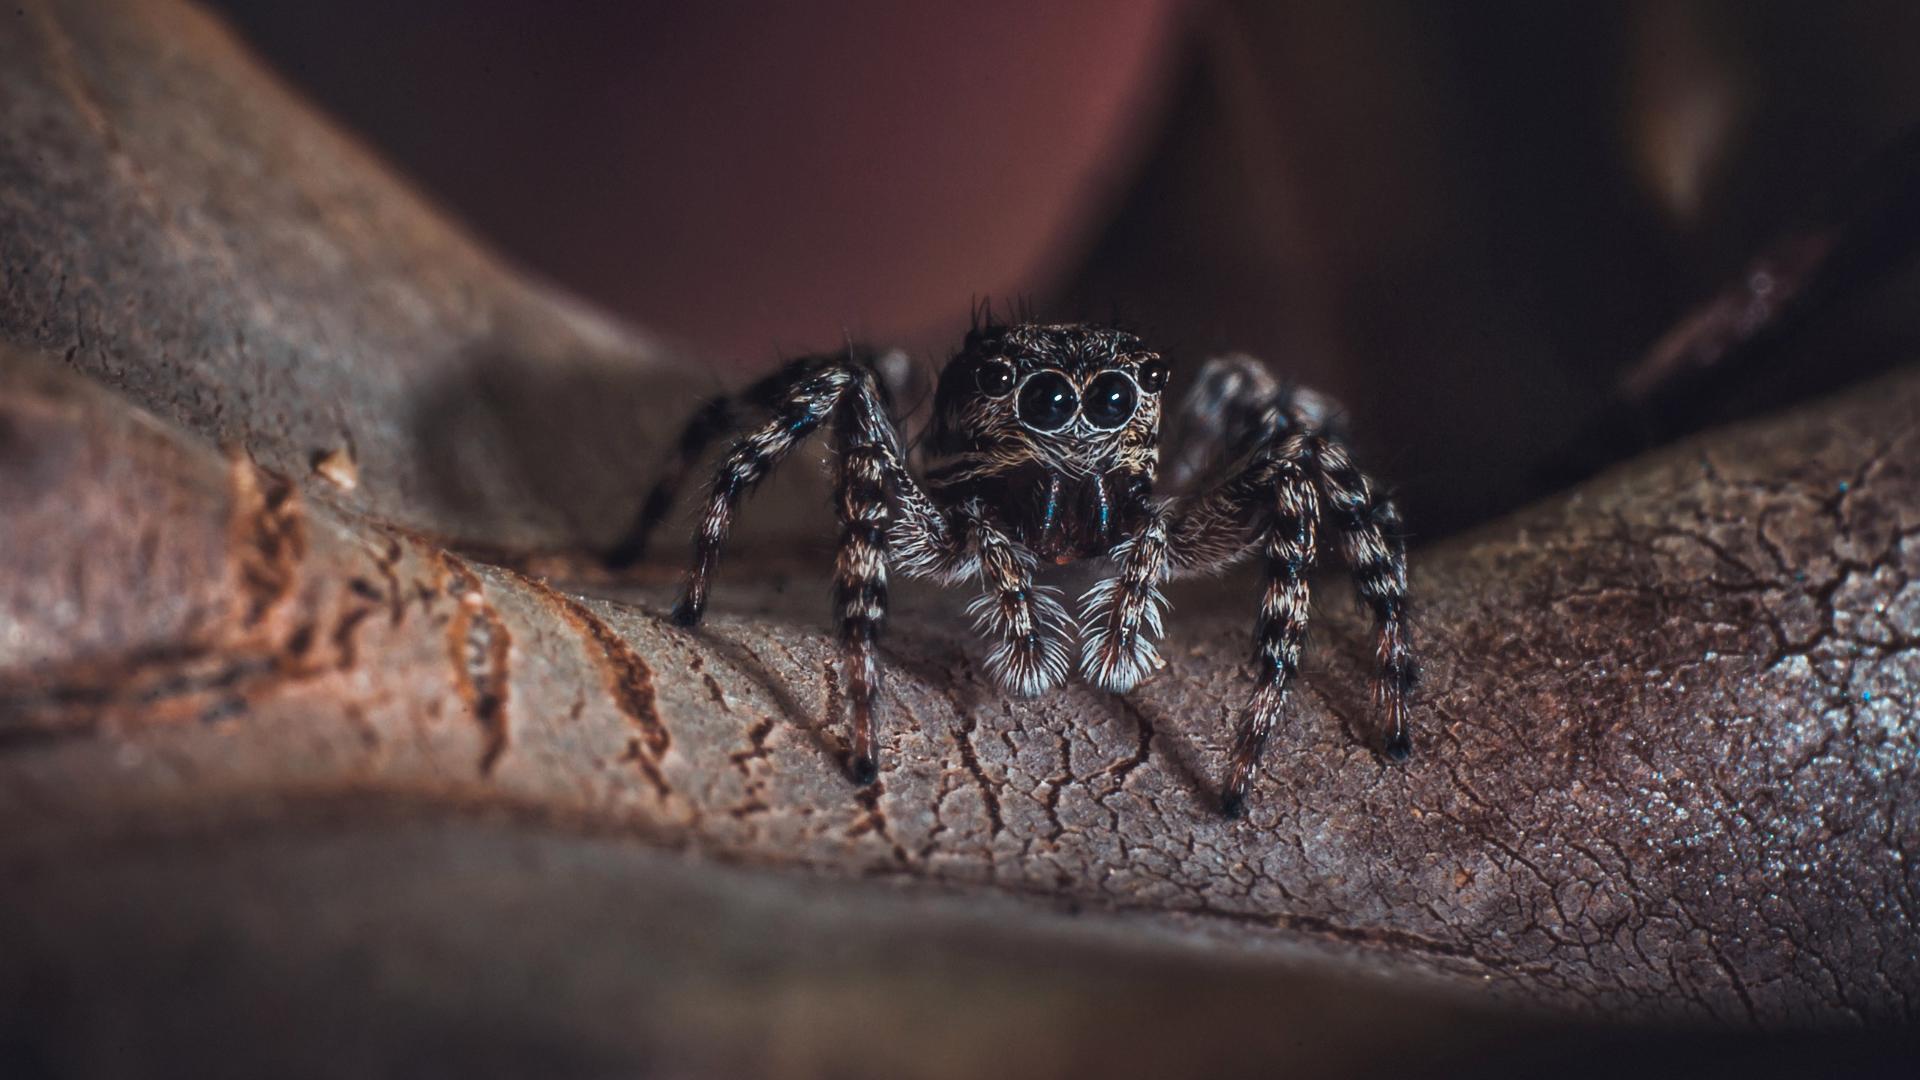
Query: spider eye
pixel 1047 402
pixel 1109 400
pixel 1153 375
pixel 993 377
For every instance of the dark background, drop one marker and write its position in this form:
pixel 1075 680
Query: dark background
pixel 1464 221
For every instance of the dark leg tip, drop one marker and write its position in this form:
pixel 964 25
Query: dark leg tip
pixel 863 770
pixel 1232 804
pixel 685 615
pixel 1399 747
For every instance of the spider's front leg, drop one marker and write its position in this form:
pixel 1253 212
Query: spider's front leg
pixel 1120 617
pixel 1275 498
pixel 1027 620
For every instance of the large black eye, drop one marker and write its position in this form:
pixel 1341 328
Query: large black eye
pixel 1153 375
pixel 1109 400
pixel 1046 401
pixel 993 377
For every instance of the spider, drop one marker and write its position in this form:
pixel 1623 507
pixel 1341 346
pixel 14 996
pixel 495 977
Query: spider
pixel 1044 447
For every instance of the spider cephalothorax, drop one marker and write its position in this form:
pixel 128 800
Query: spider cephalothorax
pixel 1056 427
pixel 1044 446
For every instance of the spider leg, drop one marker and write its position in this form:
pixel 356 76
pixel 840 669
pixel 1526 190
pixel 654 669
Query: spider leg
pixel 1235 407
pixel 924 540
pixel 1288 543
pixel 1121 616
pixel 867 470
pixel 1028 620
pixel 1375 550
pixel 717 417
pixel 1224 413
pixel 811 392
pixel 725 415
pixel 871 476
pixel 1304 472
pixel 860 568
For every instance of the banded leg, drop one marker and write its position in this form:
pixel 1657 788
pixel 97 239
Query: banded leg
pixel 725 415
pixel 806 403
pixel 860 583
pixel 1288 543
pixel 718 417
pixel 1221 415
pixel 1027 621
pixel 1120 617
pixel 1236 406
pixel 1375 550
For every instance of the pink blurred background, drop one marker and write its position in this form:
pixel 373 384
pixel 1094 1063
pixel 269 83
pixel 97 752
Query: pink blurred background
pixel 1463 221
pixel 754 177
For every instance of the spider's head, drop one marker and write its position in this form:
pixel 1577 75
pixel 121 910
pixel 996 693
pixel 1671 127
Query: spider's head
pixel 1075 398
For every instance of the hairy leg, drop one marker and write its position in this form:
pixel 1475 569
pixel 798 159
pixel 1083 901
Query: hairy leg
pixel 717 417
pixel 1372 543
pixel 1235 407
pixel 1303 474
pixel 870 478
pixel 1289 545
pixel 806 402
pixel 728 413
pixel 1120 617
pixel 860 582
pixel 1027 621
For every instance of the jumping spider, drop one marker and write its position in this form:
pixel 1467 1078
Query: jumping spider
pixel 1044 445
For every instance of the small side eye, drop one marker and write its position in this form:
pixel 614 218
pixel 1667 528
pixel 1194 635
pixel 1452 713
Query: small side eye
pixel 993 377
pixel 1153 375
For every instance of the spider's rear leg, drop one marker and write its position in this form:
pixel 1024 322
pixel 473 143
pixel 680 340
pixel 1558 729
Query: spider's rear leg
pixel 1371 540
pixel 1234 407
pixel 805 404
pixel 1288 543
pixel 725 415
pixel 717 417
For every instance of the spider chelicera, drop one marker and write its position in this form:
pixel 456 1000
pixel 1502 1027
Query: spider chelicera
pixel 1044 447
